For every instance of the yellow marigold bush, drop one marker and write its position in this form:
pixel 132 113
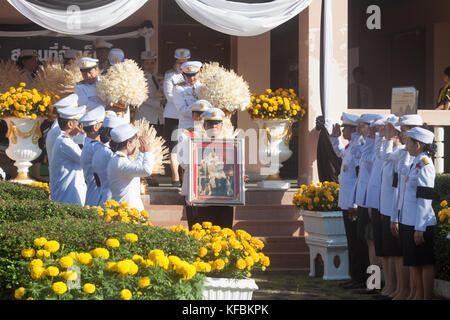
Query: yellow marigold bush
pixel 277 104
pixel 444 213
pixel 318 197
pixel 115 211
pixel 225 253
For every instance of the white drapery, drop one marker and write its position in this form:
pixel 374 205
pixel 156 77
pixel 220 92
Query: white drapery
pixel 74 21
pixel 242 19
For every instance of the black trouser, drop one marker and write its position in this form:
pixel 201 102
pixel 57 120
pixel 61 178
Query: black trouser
pixel 358 253
pixel 217 215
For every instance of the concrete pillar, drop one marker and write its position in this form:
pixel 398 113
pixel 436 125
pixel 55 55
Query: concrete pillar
pixel 439 157
pixel 309 80
pixel 250 58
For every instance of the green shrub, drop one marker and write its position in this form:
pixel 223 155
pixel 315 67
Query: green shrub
pixel 88 234
pixel 18 210
pixel 11 190
pixel 442 244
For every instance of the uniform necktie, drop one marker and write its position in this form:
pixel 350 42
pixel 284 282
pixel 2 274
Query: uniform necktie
pixel 193 92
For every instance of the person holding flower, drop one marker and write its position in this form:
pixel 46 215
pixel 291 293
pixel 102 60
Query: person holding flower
pixel 417 218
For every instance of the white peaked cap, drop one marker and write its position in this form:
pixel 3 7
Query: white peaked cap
pixel 182 53
pixel 148 55
pixel 421 135
pixel 93 116
pixel 349 119
pixel 87 63
pixel 123 132
pixel 213 114
pixel 70 101
pixel 201 105
pixel 411 120
pixel 71 113
pixel 116 55
pixel 112 121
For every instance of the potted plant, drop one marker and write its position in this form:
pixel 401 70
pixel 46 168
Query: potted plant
pixel 274 112
pixel 324 228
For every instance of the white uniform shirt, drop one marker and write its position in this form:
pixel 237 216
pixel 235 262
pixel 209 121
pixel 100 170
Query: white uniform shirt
pixel 374 184
pixel 93 191
pixel 100 160
pixel 183 158
pixel 87 95
pixel 183 96
pixel 52 134
pixel 69 185
pixel 171 79
pixel 416 210
pixel 388 192
pixel 124 177
pixel 365 170
pixel 151 109
pixel 347 178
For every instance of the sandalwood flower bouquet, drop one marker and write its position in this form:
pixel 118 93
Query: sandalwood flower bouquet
pixel 278 104
pixel 25 103
pixel 318 197
pixel 225 253
pixel 115 271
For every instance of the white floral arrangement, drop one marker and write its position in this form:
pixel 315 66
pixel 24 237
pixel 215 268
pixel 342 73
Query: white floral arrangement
pixel 10 75
pixel 124 84
pixel 223 88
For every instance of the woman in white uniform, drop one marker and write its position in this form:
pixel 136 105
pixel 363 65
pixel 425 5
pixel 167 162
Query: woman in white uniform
pixel 123 173
pixel 417 218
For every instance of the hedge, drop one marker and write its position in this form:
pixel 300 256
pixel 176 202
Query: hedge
pixel 441 243
pixel 10 190
pixel 19 210
pixel 85 235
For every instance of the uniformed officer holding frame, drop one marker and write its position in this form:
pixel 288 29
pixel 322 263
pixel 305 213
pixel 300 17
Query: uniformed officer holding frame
pixel 357 248
pixel 417 218
pixel 123 173
pixel 86 89
pixel 171 117
pixel 68 182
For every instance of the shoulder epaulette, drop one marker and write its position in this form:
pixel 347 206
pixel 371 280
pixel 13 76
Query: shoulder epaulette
pixel 66 136
pixel 81 82
pixel 181 83
pixel 189 130
pixel 425 161
pixel 169 71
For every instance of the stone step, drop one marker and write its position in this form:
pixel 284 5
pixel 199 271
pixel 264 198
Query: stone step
pixel 163 196
pixel 257 196
pixel 165 212
pixel 288 260
pixel 284 244
pixel 266 228
pixel 168 224
pixel 267 212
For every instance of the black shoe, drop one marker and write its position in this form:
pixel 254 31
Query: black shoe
pixel 346 283
pixel 357 285
pixel 176 184
pixel 373 291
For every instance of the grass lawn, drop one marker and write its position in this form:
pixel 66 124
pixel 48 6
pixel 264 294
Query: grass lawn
pixel 298 285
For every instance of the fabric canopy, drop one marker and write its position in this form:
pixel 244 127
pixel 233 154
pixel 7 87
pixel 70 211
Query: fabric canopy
pixel 242 19
pixel 75 21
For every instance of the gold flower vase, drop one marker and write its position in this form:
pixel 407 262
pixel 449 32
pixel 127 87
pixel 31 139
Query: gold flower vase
pixel 23 135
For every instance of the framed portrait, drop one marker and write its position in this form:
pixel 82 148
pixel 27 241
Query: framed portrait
pixel 216 172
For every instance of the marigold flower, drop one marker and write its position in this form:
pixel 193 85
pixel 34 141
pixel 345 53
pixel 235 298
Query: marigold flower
pixel 85 258
pixel 52 271
pixel 39 242
pixel 28 253
pixel 66 262
pixel 59 287
pixel 241 264
pixel 125 294
pixel 131 237
pixel 444 203
pixel 113 243
pixel 51 246
pixel 19 293
pixel 144 282
pixel 89 288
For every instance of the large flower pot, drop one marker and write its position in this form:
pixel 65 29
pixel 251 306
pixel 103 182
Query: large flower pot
pixel 228 289
pixel 325 236
pixel 23 135
pixel 274 150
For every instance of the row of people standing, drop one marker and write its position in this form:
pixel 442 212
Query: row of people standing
pixel 386 182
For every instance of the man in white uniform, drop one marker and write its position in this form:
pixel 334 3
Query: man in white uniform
pixel 92 122
pixel 151 109
pixel 186 93
pixel 87 89
pixel 69 185
pixel 102 49
pixel 171 78
pixel 123 173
